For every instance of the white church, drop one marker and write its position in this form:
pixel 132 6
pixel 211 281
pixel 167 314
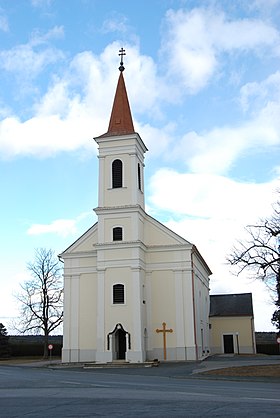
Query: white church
pixel 134 290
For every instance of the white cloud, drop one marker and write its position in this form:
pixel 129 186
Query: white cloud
pixel 38 37
pixel 218 149
pixel 28 60
pixel 77 105
pixel 215 151
pixel 61 227
pixel 41 3
pixel 45 136
pixel 257 95
pixel 4 24
pixel 209 196
pixel 117 23
pixel 24 60
pixel 153 136
pixel 195 40
pixel 264 5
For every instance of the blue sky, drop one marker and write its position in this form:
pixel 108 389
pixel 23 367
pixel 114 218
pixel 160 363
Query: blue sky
pixel 203 81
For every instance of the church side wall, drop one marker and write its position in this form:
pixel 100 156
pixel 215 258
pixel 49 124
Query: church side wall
pixel 169 286
pixel 201 307
pixel 163 309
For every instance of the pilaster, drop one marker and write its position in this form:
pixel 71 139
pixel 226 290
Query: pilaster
pixel 137 353
pixel 102 355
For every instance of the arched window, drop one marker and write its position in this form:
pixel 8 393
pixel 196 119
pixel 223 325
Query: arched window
pixel 139 177
pixel 117 174
pixel 117 234
pixel 118 293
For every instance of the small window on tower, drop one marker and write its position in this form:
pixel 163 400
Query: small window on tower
pixel 118 293
pixel 117 174
pixel 117 234
pixel 139 177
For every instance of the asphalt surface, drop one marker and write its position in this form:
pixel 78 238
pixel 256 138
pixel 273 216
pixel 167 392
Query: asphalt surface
pixel 47 388
pixel 44 389
pixel 174 369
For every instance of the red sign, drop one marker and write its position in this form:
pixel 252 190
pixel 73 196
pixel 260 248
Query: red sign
pixel 50 346
pixel 278 340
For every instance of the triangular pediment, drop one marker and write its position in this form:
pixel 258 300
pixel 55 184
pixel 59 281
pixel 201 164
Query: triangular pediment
pixel 158 234
pixel 85 243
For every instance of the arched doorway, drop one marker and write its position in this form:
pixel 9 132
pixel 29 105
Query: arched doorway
pixel 119 342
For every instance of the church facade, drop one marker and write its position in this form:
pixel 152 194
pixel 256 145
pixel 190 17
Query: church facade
pixel 133 289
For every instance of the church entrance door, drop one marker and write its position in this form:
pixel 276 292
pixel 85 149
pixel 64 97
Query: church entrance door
pixel 120 341
pixel 228 344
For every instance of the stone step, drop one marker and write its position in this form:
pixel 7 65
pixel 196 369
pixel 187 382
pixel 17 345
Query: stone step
pixel 119 364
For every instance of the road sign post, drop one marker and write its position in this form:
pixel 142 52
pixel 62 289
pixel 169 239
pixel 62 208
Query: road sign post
pixel 50 347
pixel 278 341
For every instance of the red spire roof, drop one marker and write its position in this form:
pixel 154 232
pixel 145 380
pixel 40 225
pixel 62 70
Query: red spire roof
pixel 121 120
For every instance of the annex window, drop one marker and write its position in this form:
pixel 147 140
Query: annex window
pixel 139 177
pixel 117 174
pixel 118 293
pixel 117 234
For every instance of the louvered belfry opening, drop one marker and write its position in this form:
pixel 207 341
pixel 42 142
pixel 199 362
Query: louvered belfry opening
pixel 117 234
pixel 139 177
pixel 118 293
pixel 117 174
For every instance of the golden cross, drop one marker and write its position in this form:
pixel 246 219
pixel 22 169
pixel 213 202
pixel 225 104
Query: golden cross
pixel 164 331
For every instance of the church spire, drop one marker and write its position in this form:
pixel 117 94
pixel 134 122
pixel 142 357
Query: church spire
pixel 121 120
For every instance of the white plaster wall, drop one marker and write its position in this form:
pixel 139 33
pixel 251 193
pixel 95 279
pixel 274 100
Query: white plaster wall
pixel 123 221
pixel 163 308
pixel 118 313
pixel 130 151
pixel 88 311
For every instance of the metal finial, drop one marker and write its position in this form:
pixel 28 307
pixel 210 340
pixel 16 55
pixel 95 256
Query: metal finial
pixel 121 54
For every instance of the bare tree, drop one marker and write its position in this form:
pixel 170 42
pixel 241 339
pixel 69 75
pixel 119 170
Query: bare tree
pixel 41 297
pixel 260 255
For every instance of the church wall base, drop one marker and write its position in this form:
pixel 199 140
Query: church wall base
pixel 104 356
pixel 77 356
pixel 135 356
pixel 87 355
pixel 70 356
pixel 191 353
pixel 181 353
pixel 173 354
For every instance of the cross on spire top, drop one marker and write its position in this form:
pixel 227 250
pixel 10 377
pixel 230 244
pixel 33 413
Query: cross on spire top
pixel 121 54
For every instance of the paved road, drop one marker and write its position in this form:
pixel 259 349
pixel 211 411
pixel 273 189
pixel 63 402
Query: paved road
pixel 152 392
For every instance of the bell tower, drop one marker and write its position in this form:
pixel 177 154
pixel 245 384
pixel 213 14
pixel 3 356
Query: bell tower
pixel 119 247
pixel 121 169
